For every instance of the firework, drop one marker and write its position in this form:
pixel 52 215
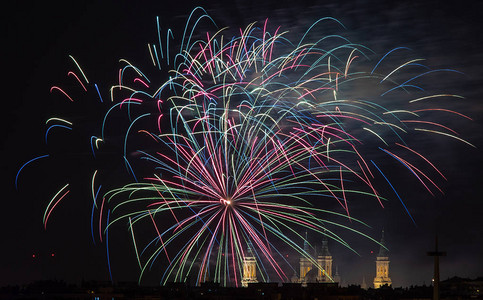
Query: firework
pixel 252 140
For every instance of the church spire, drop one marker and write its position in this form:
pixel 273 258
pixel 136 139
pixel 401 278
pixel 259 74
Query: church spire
pixel 306 243
pixel 305 262
pixel 249 249
pixel 382 249
pixel 382 266
pixel 337 276
pixel 325 247
pixel 324 260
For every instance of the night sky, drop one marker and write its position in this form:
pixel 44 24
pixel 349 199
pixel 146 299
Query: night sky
pixel 41 36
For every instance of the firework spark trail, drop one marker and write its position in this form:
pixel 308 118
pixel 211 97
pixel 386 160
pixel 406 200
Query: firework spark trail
pixel 255 135
pixel 236 154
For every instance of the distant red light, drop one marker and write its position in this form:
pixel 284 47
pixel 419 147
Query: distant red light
pixel 33 256
pixel 53 254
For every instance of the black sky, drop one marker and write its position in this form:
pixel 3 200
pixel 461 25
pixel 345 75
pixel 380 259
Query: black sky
pixel 40 36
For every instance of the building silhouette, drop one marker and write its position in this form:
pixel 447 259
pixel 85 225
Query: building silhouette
pixel 382 266
pixel 305 263
pixel 337 276
pixel 324 260
pixel 249 267
pixel 317 267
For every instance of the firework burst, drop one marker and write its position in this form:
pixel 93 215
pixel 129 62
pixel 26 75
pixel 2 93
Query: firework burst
pixel 252 140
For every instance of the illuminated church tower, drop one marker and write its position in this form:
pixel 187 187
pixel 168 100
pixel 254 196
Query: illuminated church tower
pixel 324 260
pixel 382 266
pixel 249 267
pixel 305 263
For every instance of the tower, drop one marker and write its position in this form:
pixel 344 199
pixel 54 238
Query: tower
pixel 324 260
pixel 436 255
pixel 382 266
pixel 337 276
pixel 249 267
pixel 364 284
pixel 305 262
